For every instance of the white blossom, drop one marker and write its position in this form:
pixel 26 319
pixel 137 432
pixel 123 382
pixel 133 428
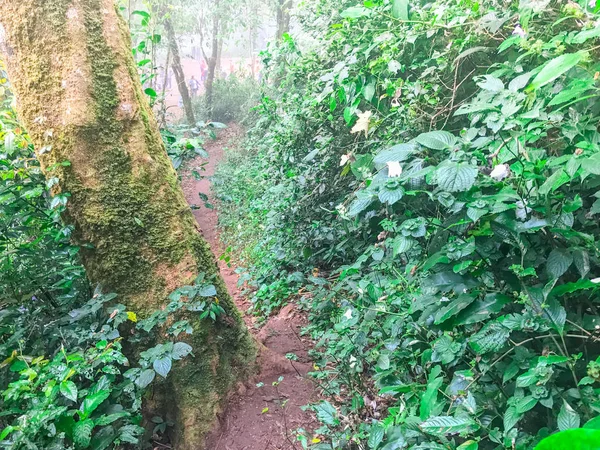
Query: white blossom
pixel 500 172
pixel 348 314
pixel 518 31
pixel 394 169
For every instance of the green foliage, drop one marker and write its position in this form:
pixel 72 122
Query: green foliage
pixel 431 170
pixel 233 97
pixel 65 380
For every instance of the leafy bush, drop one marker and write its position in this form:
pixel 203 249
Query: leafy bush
pixel 433 169
pixel 233 97
pixel 65 380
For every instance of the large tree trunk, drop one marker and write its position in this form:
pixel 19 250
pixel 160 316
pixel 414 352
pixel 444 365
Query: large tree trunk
pixel 212 65
pixel 179 74
pixel 79 95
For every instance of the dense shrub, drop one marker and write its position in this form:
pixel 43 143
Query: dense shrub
pixel 234 97
pixel 433 171
pixel 65 380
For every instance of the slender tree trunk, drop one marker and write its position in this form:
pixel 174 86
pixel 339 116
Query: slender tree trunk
pixel 163 109
pixel 79 95
pixel 283 18
pixel 179 74
pixel 219 65
pixel 212 65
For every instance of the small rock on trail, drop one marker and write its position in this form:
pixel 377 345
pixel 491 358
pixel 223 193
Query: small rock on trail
pixel 259 416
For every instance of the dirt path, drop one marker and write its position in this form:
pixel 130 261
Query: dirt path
pixel 265 417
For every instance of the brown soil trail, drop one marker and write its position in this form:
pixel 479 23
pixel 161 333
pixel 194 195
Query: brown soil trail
pixel 256 418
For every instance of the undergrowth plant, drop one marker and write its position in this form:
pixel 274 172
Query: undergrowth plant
pixel 69 378
pixel 432 169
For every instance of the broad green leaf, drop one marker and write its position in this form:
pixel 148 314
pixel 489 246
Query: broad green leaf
pixel 110 418
pixel 574 91
pixel 593 424
pixel 69 390
pixel 400 9
pixel 145 378
pixel 103 438
pixel 390 196
pixel 130 433
pixel 519 82
pixel 150 92
pixel 584 35
pixel 578 439
pixel 401 244
pixel 482 309
pixel 554 69
pixel 92 401
pixel 162 366
pixel 490 338
pixel 355 12
pixel 527 379
pixel 558 262
pixel 567 417
pixel 456 177
pixel 376 434
pixel 490 83
pixel 395 439
pixel 82 433
pixel 446 425
pixel 369 91
pixel 400 152
pixel 511 417
pixel 592 164
pixel 554 181
pixel 468 445
pixel 6 431
pixel 556 314
pixel 429 397
pixel 326 413
pixel 359 205
pixel 181 350
pixel 207 291
pixel 453 308
pixel 436 140
pixel 525 404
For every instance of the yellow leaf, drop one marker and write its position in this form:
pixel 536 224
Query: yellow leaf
pixel 132 316
pixel 315 440
pixel 362 124
pixel 265 410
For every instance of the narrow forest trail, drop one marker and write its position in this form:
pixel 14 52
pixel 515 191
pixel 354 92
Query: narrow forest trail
pixel 256 418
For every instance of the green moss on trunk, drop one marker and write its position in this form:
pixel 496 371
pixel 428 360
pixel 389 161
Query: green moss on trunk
pixel 79 92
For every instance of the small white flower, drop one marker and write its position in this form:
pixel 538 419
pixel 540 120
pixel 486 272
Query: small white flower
pixel 595 280
pixel 592 4
pixel 394 169
pixel 344 159
pixel 348 314
pixel 352 361
pixel 500 172
pixel 518 31
pixel 522 210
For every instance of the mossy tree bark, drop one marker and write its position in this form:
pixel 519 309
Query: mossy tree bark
pixel 179 74
pixel 79 95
